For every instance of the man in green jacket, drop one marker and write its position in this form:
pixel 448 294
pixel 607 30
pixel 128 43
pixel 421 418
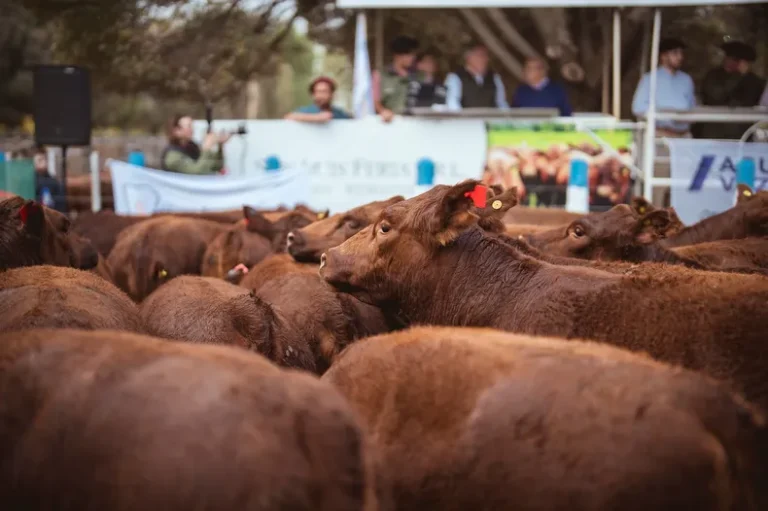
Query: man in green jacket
pixel 392 86
pixel 183 155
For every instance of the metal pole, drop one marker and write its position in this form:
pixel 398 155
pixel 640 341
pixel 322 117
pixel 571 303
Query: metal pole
pixel 616 64
pixel 649 143
pixel 65 200
pixel 95 182
pixel 378 58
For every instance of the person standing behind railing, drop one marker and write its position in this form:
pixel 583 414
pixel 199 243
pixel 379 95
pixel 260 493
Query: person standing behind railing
pixel 674 89
pixel 392 86
pixel 321 110
pixel 428 90
pixel 475 85
pixel 539 91
pixel 183 155
pixel 732 84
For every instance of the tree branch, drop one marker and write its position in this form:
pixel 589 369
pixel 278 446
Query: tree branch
pixel 494 45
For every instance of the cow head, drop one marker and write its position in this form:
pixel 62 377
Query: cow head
pixel 276 226
pixel 307 244
pixel 405 241
pixel 32 234
pixel 606 236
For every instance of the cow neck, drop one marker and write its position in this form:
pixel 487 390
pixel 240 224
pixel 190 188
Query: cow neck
pixel 468 281
pixel 657 253
pixel 727 225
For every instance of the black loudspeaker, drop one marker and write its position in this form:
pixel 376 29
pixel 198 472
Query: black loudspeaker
pixel 62 106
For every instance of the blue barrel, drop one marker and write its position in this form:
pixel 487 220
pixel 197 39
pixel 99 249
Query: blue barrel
pixel 425 172
pixel 136 158
pixel 745 172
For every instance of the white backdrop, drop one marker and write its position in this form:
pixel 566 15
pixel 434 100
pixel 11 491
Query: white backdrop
pixel 352 162
pixel 704 175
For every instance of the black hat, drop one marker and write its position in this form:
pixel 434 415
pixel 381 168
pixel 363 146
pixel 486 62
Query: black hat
pixel 671 43
pixel 739 51
pixel 402 45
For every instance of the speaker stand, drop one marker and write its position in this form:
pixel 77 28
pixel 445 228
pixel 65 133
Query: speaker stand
pixel 65 200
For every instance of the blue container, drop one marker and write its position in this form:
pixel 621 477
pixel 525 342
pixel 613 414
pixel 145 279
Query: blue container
pixel 272 164
pixel 2 156
pixel 425 172
pixel 579 173
pixel 136 158
pixel 745 172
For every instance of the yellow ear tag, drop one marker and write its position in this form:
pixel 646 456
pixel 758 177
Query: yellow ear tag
pixel 641 210
pixel 320 216
pixel 162 274
pixel 747 193
pixel 496 204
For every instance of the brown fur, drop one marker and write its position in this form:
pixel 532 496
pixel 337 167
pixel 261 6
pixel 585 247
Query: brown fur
pixel 151 253
pixel 56 297
pixel 315 315
pixel 540 216
pixel 44 238
pixel 479 280
pixel 103 228
pixel 308 243
pixel 484 420
pixel 748 218
pixel 113 421
pixel 251 240
pixel 746 254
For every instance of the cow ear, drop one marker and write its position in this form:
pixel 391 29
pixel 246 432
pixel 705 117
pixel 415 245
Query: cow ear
pixel 652 226
pixel 640 206
pixel 744 193
pixel 497 205
pixel 32 218
pixel 258 223
pixel 455 212
pixel 494 190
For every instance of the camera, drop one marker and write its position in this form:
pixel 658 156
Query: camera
pixel 241 130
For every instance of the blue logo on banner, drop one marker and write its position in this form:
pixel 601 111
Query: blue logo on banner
pixel 730 173
pixel 272 163
pixel 425 172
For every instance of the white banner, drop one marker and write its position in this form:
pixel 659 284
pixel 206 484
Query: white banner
pixel 142 191
pixel 703 174
pixel 353 162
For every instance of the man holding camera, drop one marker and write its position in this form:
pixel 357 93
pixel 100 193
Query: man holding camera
pixel 184 156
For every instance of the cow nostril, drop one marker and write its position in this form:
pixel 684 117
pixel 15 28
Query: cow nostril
pixel 290 238
pixel 323 259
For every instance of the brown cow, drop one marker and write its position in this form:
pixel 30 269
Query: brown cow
pixel 115 421
pixel 318 315
pixel 56 297
pixel 32 234
pixel 748 218
pixel 251 240
pixel 308 244
pixel 154 251
pixel 619 234
pixel 478 419
pixel 427 258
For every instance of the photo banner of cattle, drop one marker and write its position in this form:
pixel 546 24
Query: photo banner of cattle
pixel 705 173
pixel 537 158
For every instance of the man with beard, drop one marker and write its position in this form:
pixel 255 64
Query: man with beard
pixel 674 89
pixel 321 109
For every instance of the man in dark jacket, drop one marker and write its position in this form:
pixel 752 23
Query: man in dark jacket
pixel 732 84
pixel 475 85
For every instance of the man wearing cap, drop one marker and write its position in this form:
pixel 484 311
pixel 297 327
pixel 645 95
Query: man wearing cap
pixel 321 109
pixel 732 84
pixel 475 85
pixel 674 89
pixel 392 86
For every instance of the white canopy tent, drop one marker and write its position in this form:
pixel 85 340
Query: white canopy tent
pixel 649 148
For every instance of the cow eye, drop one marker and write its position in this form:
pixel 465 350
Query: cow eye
pixel 384 228
pixel 578 231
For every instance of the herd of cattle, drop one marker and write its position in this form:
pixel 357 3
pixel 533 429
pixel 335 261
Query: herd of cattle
pixel 431 354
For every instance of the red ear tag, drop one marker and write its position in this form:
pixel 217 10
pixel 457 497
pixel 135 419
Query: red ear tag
pixel 478 196
pixel 24 213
